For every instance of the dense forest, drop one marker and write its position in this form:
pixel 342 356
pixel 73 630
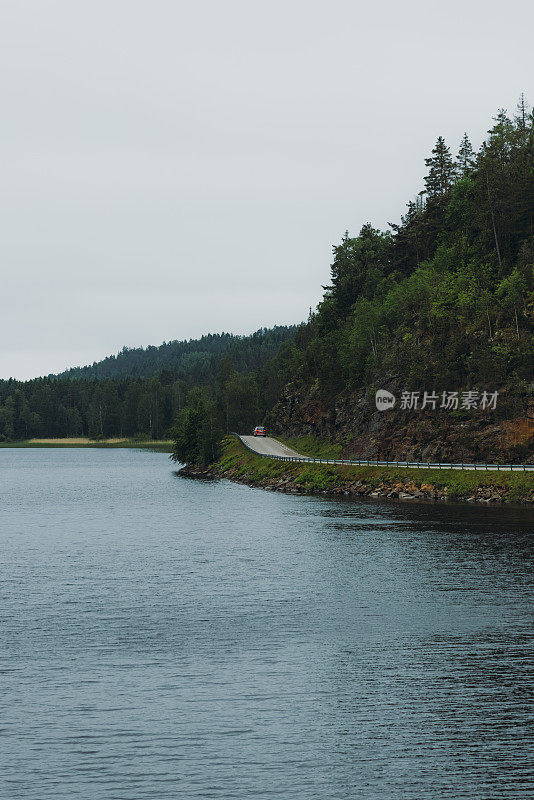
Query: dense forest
pixel 442 300
pixel 136 393
pixel 444 297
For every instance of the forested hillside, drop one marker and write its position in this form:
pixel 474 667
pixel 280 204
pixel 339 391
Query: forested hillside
pixel 194 361
pixel 442 303
pixel 137 392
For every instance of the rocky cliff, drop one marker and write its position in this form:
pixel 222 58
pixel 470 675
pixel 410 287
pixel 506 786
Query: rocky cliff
pixel 504 434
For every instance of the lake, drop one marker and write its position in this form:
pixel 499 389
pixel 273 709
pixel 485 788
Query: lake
pixel 171 638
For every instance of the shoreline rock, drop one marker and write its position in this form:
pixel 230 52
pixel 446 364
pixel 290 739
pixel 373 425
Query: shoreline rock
pixel 405 490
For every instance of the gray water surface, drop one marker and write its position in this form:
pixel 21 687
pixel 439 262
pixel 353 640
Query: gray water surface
pixel 170 638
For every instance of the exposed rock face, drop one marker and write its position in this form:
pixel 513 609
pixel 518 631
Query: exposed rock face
pixel 419 435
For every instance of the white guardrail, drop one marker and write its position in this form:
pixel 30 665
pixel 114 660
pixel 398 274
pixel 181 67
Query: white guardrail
pixel 361 462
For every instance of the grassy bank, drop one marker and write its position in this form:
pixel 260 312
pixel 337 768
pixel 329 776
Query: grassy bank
pixel 311 446
pixel 163 446
pixel 238 463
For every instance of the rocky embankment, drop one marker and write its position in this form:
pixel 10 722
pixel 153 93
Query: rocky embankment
pixel 338 483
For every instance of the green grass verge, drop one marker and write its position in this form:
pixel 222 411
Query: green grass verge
pixel 322 477
pixel 311 446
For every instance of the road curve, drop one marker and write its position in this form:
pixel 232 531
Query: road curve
pixel 268 447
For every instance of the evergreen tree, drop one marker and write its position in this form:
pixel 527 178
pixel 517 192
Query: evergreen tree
pixel 522 113
pixel 465 160
pixel 358 265
pixel 442 171
pixel 502 137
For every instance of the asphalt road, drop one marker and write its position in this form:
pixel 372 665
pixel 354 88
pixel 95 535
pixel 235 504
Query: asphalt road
pixel 267 446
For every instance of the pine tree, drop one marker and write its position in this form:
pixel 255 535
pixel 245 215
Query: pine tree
pixel 465 160
pixel 522 113
pixel 502 138
pixel 442 170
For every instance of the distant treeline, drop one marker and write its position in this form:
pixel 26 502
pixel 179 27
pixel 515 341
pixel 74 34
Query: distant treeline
pixel 194 360
pixel 137 392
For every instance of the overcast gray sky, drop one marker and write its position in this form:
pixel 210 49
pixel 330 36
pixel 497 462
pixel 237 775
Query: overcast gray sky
pixel 174 168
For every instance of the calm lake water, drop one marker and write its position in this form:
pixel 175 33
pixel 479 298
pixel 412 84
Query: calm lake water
pixel 170 638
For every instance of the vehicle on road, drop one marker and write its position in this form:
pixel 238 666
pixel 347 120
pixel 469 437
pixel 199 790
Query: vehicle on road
pixel 259 431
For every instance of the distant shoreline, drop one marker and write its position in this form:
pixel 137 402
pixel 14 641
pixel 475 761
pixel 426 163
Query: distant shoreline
pixel 162 445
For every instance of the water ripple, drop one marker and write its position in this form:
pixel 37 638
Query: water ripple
pixel 163 638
